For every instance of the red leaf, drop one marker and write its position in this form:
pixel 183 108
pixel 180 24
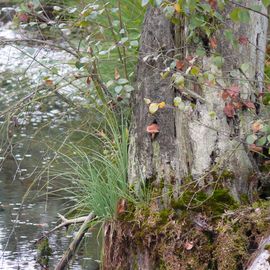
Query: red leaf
pixel 255 148
pixel 249 105
pixel 213 43
pixel 243 40
pixel 229 110
pixel 225 95
pixel 213 4
pixel 180 65
pixel 23 17
pixel 233 91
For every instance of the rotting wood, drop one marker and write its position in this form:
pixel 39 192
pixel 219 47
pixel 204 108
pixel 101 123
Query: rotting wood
pixel 75 243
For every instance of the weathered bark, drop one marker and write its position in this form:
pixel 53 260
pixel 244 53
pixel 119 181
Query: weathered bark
pixel 153 159
pixel 195 143
pixel 191 144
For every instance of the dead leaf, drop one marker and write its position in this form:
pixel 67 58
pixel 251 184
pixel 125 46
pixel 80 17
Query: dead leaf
pixel 116 74
pixel 213 42
pixel 229 110
pixel 89 79
pixel 49 82
pixel 256 127
pixel 177 8
pixel 189 245
pixel 121 206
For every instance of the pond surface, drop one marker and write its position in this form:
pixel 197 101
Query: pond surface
pixel 23 219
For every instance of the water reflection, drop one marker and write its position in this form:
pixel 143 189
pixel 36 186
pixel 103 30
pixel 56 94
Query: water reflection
pixel 21 224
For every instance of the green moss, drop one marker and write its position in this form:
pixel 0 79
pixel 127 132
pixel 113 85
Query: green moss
pixel 164 215
pixel 214 204
pixel 44 252
pixel 188 179
pixel 244 199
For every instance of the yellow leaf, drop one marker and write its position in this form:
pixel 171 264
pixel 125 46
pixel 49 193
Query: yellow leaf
pixel 153 108
pixel 177 8
pixel 161 105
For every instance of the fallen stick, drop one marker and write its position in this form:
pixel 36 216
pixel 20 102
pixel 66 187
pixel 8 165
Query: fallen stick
pixel 65 223
pixel 74 244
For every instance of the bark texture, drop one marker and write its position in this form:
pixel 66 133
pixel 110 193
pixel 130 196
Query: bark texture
pixel 153 158
pixel 194 143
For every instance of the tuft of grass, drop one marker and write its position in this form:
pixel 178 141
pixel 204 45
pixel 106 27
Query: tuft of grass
pixel 97 177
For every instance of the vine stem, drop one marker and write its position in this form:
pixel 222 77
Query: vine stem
pixel 124 49
pixel 115 38
pixel 248 8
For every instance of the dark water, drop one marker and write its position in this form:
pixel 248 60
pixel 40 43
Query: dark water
pixel 21 224
pixel 23 219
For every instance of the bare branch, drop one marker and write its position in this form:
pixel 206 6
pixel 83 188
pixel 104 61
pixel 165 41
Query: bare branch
pixel 65 223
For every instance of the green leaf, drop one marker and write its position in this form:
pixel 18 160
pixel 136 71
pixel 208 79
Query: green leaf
pixel 235 15
pixel 218 61
pixel 240 15
pixel 179 80
pixel 145 2
pixel 229 35
pixel 212 114
pixel 194 71
pixel 200 52
pixel 244 67
pixel 261 141
pixel 266 129
pixel 268 138
pixel 158 2
pixel 266 2
pixel 128 88
pixel 244 16
pixel 122 81
pixel 118 89
pixel 177 101
pixel 134 43
pixel 251 138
